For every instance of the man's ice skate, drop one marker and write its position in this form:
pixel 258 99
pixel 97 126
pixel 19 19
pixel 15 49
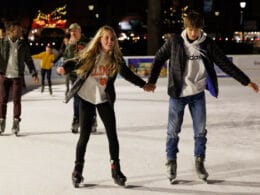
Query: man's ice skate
pixel 200 169
pixel 117 175
pixel 75 125
pixel 171 168
pixel 77 179
pixel 2 125
pixel 16 128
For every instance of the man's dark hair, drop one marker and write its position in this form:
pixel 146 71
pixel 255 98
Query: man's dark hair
pixel 193 19
pixel 11 24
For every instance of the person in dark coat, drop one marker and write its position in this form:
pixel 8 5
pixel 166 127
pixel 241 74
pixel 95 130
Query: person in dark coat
pixel 191 70
pixel 14 54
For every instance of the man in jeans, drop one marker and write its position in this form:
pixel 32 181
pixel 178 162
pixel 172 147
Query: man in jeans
pixel 191 71
pixel 14 54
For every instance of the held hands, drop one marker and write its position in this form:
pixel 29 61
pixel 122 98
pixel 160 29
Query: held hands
pixel 148 87
pixel 254 86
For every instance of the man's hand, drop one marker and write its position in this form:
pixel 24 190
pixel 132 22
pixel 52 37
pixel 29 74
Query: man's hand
pixel 60 70
pixel 73 40
pixel 254 86
pixel 148 87
pixel 36 80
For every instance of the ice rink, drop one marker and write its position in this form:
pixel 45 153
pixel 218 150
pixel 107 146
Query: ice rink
pixel 40 160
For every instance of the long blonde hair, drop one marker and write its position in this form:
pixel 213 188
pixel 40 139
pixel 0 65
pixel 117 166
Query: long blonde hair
pixel 90 55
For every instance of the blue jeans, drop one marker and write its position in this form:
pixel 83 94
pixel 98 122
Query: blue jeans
pixel 197 107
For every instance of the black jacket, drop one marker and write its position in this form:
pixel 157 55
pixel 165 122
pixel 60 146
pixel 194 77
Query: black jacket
pixel 72 50
pixel 124 71
pixel 24 56
pixel 173 50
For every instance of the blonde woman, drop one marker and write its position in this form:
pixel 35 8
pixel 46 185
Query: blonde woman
pixel 97 68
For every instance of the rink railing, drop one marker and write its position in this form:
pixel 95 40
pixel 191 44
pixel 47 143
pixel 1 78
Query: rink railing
pixel 141 65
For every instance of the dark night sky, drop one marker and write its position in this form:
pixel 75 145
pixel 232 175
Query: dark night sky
pixel 112 10
pixel 77 10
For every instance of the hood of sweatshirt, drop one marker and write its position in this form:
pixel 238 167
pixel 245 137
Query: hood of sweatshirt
pixel 195 74
pixel 193 47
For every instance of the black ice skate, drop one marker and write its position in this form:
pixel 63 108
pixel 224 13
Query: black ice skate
pixel 200 169
pixel 77 179
pixel 171 168
pixel 75 125
pixel 42 89
pixel 16 128
pixel 117 175
pixel 2 125
pixel 94 125
pixel 50 90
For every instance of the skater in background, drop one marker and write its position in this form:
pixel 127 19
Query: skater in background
pixel 191 58
pixel 59 57
pixel 97 69
pixel 46 64
pixel 14 54
pixel 77 42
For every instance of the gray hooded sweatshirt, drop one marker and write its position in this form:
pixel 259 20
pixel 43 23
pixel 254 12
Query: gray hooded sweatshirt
pixel 195 73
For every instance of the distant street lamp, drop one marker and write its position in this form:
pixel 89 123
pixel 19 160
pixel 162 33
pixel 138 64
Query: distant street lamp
pixel 242 6
pixel 218 31
pixel 217 13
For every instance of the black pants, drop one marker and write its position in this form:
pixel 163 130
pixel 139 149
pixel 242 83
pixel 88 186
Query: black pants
pixel 107 115
pixel 48 72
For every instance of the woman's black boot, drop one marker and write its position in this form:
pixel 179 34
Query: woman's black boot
pixel 117 175
pixel 77 175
